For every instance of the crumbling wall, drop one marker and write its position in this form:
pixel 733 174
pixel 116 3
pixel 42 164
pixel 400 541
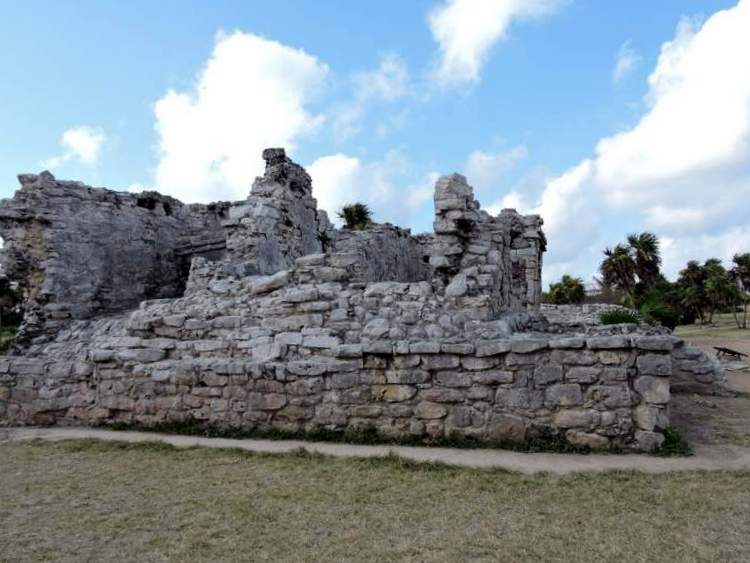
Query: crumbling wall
pixel 79 251
pixel 279 221
pixel 475 254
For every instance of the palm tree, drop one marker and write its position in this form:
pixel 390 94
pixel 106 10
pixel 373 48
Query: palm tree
pixel 356 216
pixel 644 248
pixel 567 290
pixel 619 270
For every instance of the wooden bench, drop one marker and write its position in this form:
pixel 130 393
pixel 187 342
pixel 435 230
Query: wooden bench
pixel 721 351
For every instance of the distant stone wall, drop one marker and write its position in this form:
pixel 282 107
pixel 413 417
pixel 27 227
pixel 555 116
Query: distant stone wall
pixel 384 253
pixel 577 317
pixel 79 251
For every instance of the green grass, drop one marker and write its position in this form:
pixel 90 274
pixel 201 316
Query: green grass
pixel 723 326
pixel 98 501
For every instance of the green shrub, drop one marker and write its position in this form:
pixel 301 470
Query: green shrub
pixel 619 316
pixel 660 313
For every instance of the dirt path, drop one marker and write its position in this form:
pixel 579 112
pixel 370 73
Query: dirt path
pixel 707 457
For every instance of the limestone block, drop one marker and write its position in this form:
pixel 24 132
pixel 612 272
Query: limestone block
pixel 654 390
pixel 654 364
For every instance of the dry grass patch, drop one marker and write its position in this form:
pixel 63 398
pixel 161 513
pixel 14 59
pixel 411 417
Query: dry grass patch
pixel 82 500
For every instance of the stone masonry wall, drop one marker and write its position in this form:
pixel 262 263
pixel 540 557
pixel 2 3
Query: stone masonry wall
pixel 79 251
pixel 293 352
pixel 476 254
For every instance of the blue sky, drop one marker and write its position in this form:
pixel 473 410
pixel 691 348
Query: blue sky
pixel 605 117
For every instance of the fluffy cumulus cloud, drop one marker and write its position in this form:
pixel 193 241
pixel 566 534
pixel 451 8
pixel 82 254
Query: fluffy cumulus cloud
pixel 82 144
pixel 486 171
pixel 466 31
pixel 684 167
pixel 251 94
pixel 340 179
pixel 627 61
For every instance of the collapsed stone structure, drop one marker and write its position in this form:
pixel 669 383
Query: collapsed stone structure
pixel 260 314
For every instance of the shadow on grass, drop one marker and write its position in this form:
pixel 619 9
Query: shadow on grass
pixel 541 442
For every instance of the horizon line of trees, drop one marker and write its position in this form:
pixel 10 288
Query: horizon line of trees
pixel 631 276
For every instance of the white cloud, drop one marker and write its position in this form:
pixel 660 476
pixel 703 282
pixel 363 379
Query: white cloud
pixel 82 143
pixel 340 179
pixel 486 171
pixel 421 193
pixel 387 83
pixel 677 251
pixel 627 61
pixel 251 94
pixel 466 31
pixel 685 166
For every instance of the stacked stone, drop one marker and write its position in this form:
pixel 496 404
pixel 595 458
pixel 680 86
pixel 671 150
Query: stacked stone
pixel 474 254
pixel 279 221
pixel 697 372
pixel 300 376
pixel 526 250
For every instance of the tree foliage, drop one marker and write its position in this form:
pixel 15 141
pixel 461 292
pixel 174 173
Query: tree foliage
pixel 567 290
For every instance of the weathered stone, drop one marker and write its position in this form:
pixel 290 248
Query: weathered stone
pixel 472 363
pixel 507 427
pixel 654 390
pixel 427 410
pixel 393 393
pixel 526 346
pixel 492 348
pixel 437 362
pixel 494 376
pixel 654 364
pixel 582 374
pixel 564 395
pixel 608 342
pixel 140 355
pixel 587 439
pixel 545 375
pixel 576 418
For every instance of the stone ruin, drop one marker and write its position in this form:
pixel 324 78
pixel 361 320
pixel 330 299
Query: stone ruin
pixel 260 315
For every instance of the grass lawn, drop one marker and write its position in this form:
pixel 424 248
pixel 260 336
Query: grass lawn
pixel 90 501
pixel 723 326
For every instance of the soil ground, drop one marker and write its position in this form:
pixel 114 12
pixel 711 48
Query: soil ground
pixel 717 420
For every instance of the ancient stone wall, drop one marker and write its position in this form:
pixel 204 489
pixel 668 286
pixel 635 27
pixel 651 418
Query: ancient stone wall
pixel 476 254
pixel 299 327
pixel 79 251
pixel 304 349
